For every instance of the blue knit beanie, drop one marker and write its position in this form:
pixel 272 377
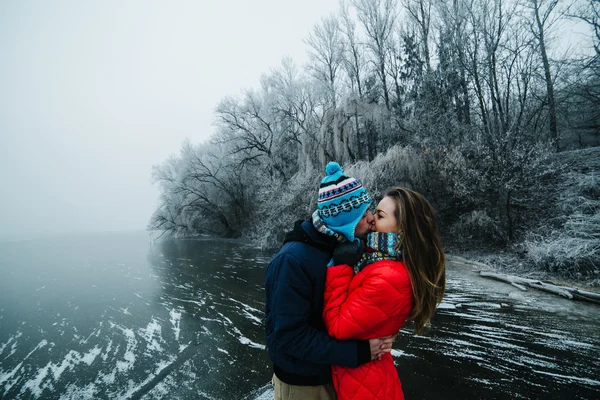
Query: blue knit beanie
pixel 342 201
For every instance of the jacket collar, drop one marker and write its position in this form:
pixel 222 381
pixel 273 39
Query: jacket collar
pixel 305 232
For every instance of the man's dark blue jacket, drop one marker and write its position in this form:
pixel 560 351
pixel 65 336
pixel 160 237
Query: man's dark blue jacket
pixel 301 350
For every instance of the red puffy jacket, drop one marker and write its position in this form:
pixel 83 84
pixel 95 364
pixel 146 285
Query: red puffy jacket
pixel 373 303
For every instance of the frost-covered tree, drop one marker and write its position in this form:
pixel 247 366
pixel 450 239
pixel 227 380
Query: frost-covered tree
pixel 256 133
pixel 378 19
pixel 354 61
pixel 202 191
pixel 419 16
pixel 326 57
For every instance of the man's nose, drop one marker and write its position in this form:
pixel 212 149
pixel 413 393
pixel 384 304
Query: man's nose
pixel 370 218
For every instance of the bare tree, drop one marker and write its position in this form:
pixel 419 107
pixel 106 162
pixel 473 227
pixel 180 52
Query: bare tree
pixel 355 65
pixel 201 192
pixel 496 21
pixel 326 55
pixel 542 12
pixel 378 18
pixel 395 65
pixel 252 131
pixel 588 11
pixel 294 104
pixel 419 12
pixel 582 94
pixel 354 57
pixel 452 37
pixel 488 24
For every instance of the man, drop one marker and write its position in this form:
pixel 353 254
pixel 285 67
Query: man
pixel 301 350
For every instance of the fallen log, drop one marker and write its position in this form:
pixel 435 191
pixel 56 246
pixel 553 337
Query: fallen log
pixel 507 278
pixel 552 289
pixel 519 286
pixel 523 283
pixel 583 295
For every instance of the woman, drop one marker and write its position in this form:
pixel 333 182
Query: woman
pixel 402 275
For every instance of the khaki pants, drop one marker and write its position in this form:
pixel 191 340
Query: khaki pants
pixel 283 391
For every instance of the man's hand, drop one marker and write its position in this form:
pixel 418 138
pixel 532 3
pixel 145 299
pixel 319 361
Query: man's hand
pixel 381 346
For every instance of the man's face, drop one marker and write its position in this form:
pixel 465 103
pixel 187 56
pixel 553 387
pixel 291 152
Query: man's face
pixel 364 225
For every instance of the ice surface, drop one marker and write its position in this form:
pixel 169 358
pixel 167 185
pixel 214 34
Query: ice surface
pixel 9 379
pixel 132 388
pixel 175 321
pixel 3 346
pixel 152 335
pixel 249 312
pixel 47 376
pixel 129 356
pixel 198 331
pixel 587 381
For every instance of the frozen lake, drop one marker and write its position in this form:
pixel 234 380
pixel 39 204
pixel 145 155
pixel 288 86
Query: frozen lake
pixel 117 316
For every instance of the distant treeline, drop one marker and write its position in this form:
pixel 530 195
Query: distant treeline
pixel 462 100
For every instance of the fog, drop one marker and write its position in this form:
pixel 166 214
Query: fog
pixel 92 94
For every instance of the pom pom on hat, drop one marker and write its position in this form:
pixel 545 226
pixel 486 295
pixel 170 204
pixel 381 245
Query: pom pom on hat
pixel 342 201
pixel 332 168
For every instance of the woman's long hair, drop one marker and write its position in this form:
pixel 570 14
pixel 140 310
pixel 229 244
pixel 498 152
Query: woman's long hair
pixel 422 252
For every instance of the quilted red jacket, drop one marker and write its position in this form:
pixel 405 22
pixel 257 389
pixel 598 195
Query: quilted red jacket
pixel 371 304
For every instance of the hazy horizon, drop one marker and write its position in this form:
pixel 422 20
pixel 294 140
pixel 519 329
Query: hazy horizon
pixel 93 94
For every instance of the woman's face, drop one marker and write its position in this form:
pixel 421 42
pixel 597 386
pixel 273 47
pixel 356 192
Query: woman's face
pixel 385 220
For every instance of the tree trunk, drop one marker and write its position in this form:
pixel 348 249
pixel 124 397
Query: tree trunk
pixel 509 222
pixel 359 146
pixel 547 75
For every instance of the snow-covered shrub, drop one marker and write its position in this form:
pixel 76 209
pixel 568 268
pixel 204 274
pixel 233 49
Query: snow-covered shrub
pixel 572 250
pixel 572 245
pixel 564 254
pixel 399 166
pixel 474 229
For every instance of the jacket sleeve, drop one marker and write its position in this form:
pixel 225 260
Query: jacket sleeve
pixel 384 292
pixel 294 334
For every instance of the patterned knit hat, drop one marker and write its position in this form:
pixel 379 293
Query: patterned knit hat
pixel 342 201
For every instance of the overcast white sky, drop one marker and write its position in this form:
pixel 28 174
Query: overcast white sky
pixel 93 93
